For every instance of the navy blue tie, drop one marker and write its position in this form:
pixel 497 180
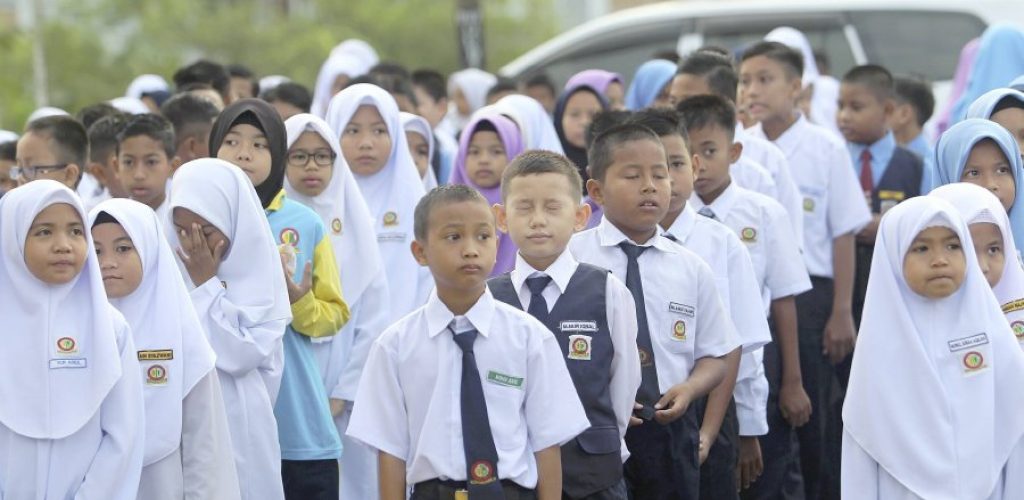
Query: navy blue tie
pixel 707 212
pixel 649 393
pixel 478 442
pixel 538 306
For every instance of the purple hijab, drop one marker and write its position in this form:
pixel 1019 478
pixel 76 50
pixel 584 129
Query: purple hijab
pixel 963 71
pixel 597 79
pixel 511 138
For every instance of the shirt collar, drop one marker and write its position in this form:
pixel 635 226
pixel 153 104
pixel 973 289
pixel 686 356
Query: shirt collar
pixel 683 225
pixel 791 137
pixel 438 315
pixel 722 205
pixel 560 271
pixel 879 149
pixel 277 202
pixel 610 236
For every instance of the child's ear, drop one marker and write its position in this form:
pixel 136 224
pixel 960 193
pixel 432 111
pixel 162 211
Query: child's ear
pixel 418 252
pixel 98 172
pixel 696 161
pixel 889 108
pixel 71 175
pixel 735 150
pixel 582 217
pixel 175 164
pixel 500 217
pixel 596 191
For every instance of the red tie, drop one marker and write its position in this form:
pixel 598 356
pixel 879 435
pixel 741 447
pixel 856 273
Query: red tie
pixel 867 181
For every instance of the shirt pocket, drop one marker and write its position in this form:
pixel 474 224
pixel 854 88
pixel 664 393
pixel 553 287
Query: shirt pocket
pixel 505 392
pixel 676 333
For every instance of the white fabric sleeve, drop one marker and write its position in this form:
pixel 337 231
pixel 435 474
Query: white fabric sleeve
pixel 379 420
pixel 207 460
pixel 371 319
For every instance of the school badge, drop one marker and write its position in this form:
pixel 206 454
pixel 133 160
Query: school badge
pixel 67 345
pixel 1018 329
pixel 336 225
pixel 808 205
pixel 390 219
pixel 748 234
pixel 679 330
pixel 645 357
pixel 289 236
pixel 579 347
pixel 482 472
pixel 156 375
pixel 973 361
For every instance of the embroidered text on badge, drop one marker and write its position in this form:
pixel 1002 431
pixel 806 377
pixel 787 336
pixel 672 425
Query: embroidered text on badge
pixel 505 380
pixel 1013 306
pixel 967 342
pixel 578 326
pixel 683 309
pixel 161 355
pixel 56 364
pixel 393 237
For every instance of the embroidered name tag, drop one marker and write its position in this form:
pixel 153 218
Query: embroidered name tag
pixel 505 380
pixel 386 237
pixel 967 342
pixel 683 309
pixel 578 326
pixel 891 195
pixel 1013 306
pixel 56 364
pixel 161 355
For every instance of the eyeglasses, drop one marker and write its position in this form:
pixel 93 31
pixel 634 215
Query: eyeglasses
pixel 32 173
pixel 301 158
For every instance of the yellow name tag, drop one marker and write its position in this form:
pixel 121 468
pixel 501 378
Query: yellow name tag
pixel 461 495
pixel 162 355
pixel 892 195
pixel 1013 306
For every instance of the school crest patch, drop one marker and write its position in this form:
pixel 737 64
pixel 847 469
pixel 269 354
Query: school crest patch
pixel 973 361
pixel 579 347
pixel 482 472
pixel 156 375
pixel 290 236
pixel 679 330
pixel 67 345
pixel 1018 329
pixel 748 234
pixel 390 219
pixel 336 225
pixel 808 204
pixel 645 358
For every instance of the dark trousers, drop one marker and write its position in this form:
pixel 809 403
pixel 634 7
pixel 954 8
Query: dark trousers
pixel 718 473
pixel 664 462
pixel 616 492
pixel 436 489
pixel 310 479
pixel 780 451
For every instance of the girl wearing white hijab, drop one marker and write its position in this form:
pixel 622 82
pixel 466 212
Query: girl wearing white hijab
pixel 71 418
pixel 823 89
pixel 391 186
pixel 933 405
pixel 467 92
pixel 348 60
pixel 232 266
pixel 535 125
pixel 994 246
pixel 365 287
pixel 423 149
pixel 187 446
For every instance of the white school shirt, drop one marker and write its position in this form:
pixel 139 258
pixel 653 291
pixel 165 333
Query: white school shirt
pixel 751 175
pixel 621 314
pixel 763 227
pixel 678 287
pixel 737 285
pixel 102 459
pixel 833 203
pixel 408 400
pixel 768 155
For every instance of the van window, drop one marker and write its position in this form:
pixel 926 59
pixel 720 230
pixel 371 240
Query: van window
pixel 921 43
pixel 827 39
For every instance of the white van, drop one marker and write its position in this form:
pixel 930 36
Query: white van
pixel 920 37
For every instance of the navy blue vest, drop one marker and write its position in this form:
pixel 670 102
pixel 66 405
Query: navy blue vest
pixel 591 462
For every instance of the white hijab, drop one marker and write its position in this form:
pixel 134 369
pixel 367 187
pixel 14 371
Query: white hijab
pixel 418 125
pixel 913 405
pixel 535 125
pixel 42 400
pixel 343 210
pixel 977 204
pixel 474 84
pixel 162 318
pixel 220 192
pixel 144 84
pixel 351 58
pixel 392 193
pixel 826 89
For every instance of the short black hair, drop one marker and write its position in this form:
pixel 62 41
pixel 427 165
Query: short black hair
pixel 704 111
pixel 242 71
pixel 9 150
pixel 292 93
pixel 503 85
pixel 604 121
pixel 150 125
pixel 185 112
pixel 437 197
pixel 92 113
pixel 204 71
pixel 68 135
pixel 791 60
pixel 716 70
pixel 917 92
pixel 539 161
pixel 103 137
pixel 541 80
pixel 601 153
pixel 670 55
pixel 877 79
pixel 661 121
pixel 432 82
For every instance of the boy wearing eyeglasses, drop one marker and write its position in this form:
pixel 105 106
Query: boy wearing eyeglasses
pixel 52 148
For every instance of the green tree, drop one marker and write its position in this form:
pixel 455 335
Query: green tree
pixel 94 48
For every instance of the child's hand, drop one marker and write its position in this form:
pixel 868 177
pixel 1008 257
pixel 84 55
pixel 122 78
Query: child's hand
pixel 705 447
pixel 200 262
pixel 673 404
pixel 839 337
pixel 794 403
pixel 750 465
pixel 297 291
pixel 337 407
pixel 633 420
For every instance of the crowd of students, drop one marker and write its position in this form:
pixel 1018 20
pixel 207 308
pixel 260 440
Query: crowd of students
pixel 732 276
